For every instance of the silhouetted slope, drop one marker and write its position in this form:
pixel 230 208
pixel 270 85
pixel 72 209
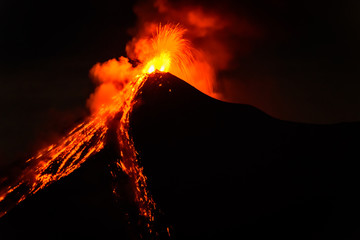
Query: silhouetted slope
pixel 220 170
pixel 79 206
pixel 216 170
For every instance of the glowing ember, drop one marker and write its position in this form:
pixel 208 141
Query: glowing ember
pixel 166 51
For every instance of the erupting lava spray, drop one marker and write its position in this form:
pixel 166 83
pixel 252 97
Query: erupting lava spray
pixel 164 49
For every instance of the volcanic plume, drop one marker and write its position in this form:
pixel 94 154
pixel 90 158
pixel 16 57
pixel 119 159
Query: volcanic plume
pixel 163 49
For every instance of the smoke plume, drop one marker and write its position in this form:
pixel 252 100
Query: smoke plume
pixel 216 32
pixel 213 34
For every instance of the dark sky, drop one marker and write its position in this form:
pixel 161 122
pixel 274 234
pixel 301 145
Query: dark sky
pixel 305 68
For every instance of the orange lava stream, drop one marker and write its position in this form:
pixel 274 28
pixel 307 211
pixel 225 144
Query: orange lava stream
pixel 129 161
pixel 61 159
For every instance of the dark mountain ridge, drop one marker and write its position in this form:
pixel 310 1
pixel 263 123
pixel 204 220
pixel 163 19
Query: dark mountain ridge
pixel 216 170
pixel 220 169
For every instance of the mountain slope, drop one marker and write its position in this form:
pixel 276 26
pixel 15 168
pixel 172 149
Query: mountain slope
pixel 216 170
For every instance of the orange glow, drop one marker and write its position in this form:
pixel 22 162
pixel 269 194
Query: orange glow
pixel 165 49
pixel 161 63
pixel 118 83
pixel 151 69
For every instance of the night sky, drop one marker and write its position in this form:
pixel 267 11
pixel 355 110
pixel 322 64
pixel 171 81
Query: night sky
pixel 303 68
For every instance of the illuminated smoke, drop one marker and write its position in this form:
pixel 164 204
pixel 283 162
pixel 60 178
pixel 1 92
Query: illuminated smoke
pixel 110 78
pixel 216 32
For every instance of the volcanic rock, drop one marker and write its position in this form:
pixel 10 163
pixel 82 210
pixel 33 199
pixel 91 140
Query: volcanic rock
pixel 220 170
pixel 216 170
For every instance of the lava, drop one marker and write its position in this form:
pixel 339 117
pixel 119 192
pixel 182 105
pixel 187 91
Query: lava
pixel 166 51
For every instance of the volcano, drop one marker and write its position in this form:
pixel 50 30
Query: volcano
pixel 216 170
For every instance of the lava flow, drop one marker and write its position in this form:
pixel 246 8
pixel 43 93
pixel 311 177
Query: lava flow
pixel 166 51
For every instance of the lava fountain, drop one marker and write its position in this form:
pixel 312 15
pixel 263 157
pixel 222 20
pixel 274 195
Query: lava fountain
pixel 164 50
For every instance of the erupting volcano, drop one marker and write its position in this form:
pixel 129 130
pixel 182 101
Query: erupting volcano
pixel 165 50
pixel 166 146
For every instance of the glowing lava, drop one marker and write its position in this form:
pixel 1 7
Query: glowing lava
pixel 161 63
pixel 165 51
pixel 61 159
